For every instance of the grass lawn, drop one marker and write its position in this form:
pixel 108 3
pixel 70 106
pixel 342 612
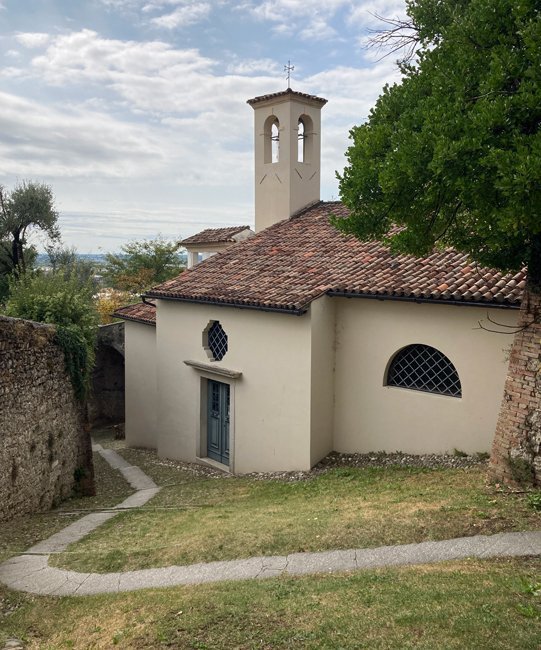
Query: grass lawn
pixel 469 604
pixel 203 518
pixel 19 534
pixel 488 604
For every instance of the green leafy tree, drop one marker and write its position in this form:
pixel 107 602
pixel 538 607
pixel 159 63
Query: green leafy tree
pixel 142 264
pixel 65 259
pixel 30 206
pixel 59 298
pixel 452 153
pixel 6 265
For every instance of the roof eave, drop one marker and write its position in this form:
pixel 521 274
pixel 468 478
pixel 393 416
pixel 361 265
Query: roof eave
pixel 292 310
pixel 436 301
pixel 134 319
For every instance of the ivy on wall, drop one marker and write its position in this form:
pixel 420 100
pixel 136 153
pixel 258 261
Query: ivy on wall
pixel 78 357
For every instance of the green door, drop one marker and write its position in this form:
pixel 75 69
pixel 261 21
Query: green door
pixel 218 421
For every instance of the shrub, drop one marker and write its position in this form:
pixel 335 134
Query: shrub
pixel 534 500
pixel 60 299
pixel 108 300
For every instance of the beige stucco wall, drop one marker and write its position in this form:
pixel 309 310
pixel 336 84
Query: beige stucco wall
pixel 369 416
pixel 270 402
pixel 141 398
pixel 322 316
pixel 315 383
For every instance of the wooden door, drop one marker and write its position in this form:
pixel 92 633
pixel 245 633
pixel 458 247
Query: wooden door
pixel 218 421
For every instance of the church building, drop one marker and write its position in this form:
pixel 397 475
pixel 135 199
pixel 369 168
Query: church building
pixel 300 340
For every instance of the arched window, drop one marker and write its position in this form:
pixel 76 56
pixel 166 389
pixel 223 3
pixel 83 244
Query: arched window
pixel 305 133
pixel 421 367
pixel 271 149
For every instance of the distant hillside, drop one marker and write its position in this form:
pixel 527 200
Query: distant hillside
pixel 98 258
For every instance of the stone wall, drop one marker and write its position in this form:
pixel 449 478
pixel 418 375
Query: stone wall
pixel 44 440
pixel 106 401
pixel 516 452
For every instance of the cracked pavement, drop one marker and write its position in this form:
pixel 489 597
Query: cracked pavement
pixel 30 572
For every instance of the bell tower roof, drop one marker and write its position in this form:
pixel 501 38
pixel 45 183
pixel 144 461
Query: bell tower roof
pixel 287 94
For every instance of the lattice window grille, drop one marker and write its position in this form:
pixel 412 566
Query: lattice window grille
pixel 217 341
pixel 421 367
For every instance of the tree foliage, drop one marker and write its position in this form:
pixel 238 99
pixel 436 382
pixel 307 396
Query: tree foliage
pixel 6 265
pixel 108 301
pixel 64 259
pixel 30 206
pixel 59 298
pixel 142 264
pixel 452 153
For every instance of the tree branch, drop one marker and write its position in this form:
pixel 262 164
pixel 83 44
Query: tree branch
pixel 401 35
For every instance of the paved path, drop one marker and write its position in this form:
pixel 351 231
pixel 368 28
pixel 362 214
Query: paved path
pixel 31 572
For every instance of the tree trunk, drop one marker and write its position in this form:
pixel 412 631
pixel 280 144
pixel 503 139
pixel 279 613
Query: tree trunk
pixel 516 451
pixel 17 253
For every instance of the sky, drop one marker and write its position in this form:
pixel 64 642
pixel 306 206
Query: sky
pixel 134 111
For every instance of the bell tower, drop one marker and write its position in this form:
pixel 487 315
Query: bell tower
pixel 287 154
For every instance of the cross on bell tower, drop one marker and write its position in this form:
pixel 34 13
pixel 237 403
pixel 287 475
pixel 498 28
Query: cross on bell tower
pixel 289 69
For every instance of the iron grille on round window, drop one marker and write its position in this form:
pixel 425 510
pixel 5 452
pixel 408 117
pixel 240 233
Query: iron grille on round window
pixel 421 367
pixel 217 341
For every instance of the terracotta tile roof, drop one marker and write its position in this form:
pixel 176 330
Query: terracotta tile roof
pixel 285 93
pixel 295 261
pixel 141 312
pixel 214 235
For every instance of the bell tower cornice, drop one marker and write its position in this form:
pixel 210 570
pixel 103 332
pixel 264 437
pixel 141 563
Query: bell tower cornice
pixel 286 95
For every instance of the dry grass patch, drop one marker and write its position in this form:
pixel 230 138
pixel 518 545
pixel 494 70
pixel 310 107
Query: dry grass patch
pixel 17 535
pixel 469 604
pixel 211 517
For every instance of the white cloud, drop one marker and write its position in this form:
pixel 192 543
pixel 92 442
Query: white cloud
pixel 307 18
pixel 363 13
pixel 249 66
pixel 32 40
pixel 85 56
pixel 184 13
pixel 155 126
pixel 198 113
pixel 151 76
pixel 44 142
pixel 318 30
pixel 157 5
pixel 282 10
pixel 183 16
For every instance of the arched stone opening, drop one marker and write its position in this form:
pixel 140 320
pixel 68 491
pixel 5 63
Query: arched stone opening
pixel 106 403
pixel 271 149
pixel 305 134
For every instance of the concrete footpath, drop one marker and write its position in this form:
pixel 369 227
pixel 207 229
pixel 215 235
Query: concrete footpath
pixel 31 572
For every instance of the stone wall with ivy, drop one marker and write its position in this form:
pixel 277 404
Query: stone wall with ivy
pixel 45 452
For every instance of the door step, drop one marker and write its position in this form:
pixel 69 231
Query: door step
pixel 209 462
